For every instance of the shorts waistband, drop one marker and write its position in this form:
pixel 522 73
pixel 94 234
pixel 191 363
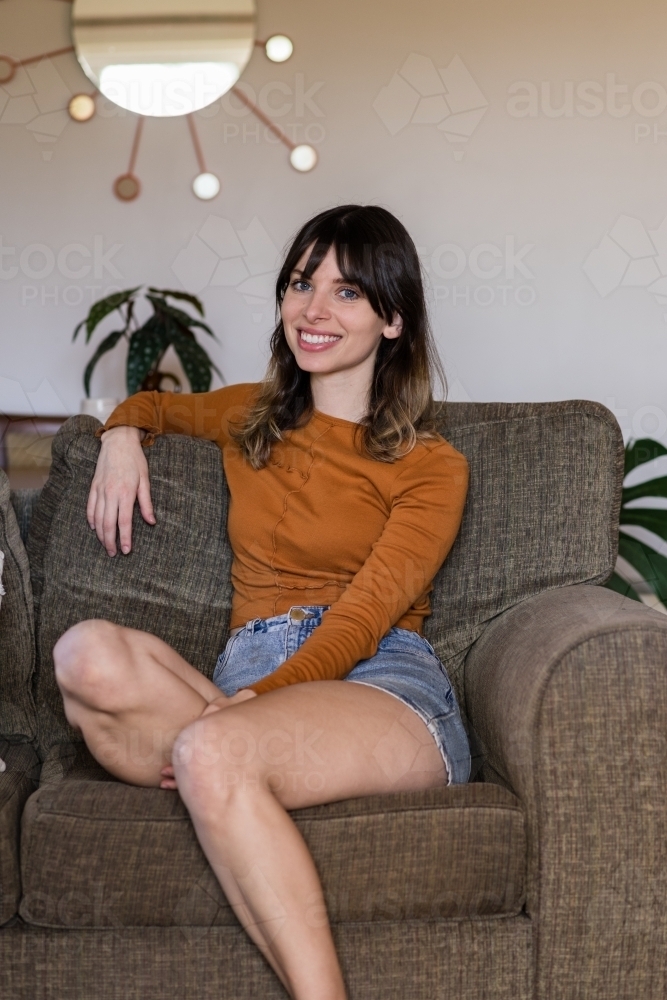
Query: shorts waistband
pixel 297 613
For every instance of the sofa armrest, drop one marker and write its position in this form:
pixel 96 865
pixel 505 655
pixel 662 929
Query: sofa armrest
pixel 567 693
pixel 17 782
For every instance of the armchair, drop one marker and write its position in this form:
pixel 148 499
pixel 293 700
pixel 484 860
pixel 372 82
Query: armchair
pixel 544 878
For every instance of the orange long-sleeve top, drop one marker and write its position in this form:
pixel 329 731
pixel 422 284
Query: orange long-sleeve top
pixel 322 524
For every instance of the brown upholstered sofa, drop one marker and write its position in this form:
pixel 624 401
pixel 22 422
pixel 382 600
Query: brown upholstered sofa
pixel 545 877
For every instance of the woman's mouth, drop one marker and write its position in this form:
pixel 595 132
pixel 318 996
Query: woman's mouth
pixel 317 341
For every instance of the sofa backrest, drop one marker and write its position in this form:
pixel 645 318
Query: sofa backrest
pixel 17 639
pixel 542 512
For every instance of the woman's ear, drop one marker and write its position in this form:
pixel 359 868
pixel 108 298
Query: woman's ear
pixel 394 329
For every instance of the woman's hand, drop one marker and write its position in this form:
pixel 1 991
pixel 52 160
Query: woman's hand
pixel 167 772
pixel 121 477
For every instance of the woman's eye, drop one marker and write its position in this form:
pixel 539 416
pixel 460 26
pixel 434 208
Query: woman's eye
pixel 299 285
pixel 349 294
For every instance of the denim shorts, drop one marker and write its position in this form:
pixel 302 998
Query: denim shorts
pixel 405 665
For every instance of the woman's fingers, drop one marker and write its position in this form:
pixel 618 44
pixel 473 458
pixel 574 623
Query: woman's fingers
pixel 144 498
pixel 168 780
pixel 121 476
pixel 125 508
pixel 91 505
pixel 99 516
pixel 110 524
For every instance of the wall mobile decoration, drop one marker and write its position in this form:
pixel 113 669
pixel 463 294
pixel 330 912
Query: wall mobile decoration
pixel 167 59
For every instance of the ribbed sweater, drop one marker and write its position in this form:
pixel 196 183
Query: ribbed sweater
pixel 322 524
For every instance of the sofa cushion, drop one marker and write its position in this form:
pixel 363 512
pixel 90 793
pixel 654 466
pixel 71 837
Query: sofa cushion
pixel 17 781
pixel 107 854
pixel 175 583
pixel 17 630
pixel 542 512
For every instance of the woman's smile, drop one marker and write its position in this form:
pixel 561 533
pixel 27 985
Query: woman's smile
pixel 316 340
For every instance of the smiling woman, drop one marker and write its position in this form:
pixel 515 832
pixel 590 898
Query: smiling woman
pixel 344 503
pixel 352 274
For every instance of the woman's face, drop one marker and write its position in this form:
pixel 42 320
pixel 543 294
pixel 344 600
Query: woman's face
pixel 329 325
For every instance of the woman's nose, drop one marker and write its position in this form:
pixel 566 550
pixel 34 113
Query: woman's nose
pixel 317 307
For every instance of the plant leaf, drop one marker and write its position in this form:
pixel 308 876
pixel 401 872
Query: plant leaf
pixel 621 587
pixel 196 362
pixel 192 299
pixel 641 451
pixel 649 563
pixel 652 520
pixel 107 344
pixel 147 345
pixel 651 488
pixel 183 318
pixel 102 308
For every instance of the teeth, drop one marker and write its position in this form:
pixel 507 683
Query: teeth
pixel 318 338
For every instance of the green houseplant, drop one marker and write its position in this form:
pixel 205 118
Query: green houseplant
pixel 148 343
pixel 649 576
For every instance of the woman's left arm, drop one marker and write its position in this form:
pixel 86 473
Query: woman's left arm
pixel 427 506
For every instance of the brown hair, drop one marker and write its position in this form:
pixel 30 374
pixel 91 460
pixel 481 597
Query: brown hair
pixel 375 253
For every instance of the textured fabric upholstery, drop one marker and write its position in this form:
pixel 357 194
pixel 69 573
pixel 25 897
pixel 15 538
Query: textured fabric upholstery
pixel 17 642
pixel 72 761
pixel 542 512
pixel 568 694
pixel 406 960
pixel 16 784
pixel 175 582
pixel 23 502
pixel 448 853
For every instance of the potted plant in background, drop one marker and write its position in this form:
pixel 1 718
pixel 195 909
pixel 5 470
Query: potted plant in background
pixel 641 570
pixel 167 326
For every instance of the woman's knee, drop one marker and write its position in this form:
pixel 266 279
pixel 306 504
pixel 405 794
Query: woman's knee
pixel 215 760
pixel 83 658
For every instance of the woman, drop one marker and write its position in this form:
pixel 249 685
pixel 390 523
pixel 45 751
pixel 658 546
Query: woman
pixel 344 503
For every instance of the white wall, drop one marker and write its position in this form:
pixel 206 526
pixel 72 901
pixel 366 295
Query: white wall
pixel 539 329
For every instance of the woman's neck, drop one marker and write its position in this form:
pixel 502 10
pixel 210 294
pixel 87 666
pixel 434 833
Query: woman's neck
pixel 341 395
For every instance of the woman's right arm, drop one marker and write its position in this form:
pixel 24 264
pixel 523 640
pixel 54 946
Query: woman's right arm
pixel 121 477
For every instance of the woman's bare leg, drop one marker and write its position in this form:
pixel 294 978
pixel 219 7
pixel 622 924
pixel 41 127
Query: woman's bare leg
pixel 130 694
pixel 240 769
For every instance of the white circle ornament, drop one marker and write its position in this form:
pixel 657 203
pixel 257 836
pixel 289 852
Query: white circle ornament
pixel 303 158
pixel 206 186
pixel 279 48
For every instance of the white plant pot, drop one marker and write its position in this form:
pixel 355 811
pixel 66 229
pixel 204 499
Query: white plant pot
pixel 102 407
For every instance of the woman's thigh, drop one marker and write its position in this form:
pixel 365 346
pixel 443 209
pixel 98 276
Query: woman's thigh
pixel 130 694
pixel 317 742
